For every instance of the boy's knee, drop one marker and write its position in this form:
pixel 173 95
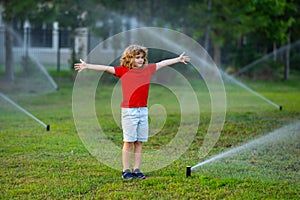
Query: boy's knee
pixel 128 145
pixel 137 143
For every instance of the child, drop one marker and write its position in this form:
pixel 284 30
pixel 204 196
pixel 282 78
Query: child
pixel 135 74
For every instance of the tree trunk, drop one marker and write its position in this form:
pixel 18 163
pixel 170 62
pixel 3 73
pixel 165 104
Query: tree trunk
pixel 9 67
pixel 287 58
pixel 217 55
pixel 274 51
pixel 207 30
pixel 73 51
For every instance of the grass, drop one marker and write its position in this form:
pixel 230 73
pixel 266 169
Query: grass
pixel 36 164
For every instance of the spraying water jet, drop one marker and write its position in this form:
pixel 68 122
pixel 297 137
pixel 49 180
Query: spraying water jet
pixel 271 156
pixel 268 56
pixel 232 79
pixel 47 126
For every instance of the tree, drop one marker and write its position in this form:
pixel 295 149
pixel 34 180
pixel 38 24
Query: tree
pixel 70 14
pixel 221 21
pixel 22 10
pixel 9 67
pixel 278 22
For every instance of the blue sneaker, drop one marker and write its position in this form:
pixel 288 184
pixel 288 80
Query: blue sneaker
pixel 127 175
pixel 137 173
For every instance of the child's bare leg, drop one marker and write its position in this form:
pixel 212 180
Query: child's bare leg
pixel 127 148
pixel 137 154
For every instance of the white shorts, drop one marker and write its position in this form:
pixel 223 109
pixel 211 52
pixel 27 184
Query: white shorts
pixel 135 124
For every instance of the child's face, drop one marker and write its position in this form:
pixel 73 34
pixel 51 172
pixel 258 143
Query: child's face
pixel 139 60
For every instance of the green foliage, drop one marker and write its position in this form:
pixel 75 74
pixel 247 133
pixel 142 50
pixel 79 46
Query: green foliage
pixel 278 17
pixel 74 14
pixel 295 60
pixel 32 10
pixel 238 31
pixel 267 70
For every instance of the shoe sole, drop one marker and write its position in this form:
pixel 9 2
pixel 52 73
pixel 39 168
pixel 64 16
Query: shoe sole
pixel 143 177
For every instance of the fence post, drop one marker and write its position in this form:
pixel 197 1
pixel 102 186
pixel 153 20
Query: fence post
pixel 26 37
pixel 56 44
pixel 81 42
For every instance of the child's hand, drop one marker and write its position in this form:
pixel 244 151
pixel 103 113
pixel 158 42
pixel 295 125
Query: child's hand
pixel 184 59
pixel 80 66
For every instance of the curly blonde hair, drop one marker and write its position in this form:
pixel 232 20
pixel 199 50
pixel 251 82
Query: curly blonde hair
pixel 128 56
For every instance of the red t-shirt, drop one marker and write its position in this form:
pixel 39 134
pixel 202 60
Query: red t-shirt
pixel 135 85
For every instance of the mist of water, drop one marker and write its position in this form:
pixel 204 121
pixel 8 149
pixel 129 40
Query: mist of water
pixel 23 110
pixel 266 57
pixel 207 67
pixel 30 76
pixel 44 71
pixel 234 80
pixel 282 141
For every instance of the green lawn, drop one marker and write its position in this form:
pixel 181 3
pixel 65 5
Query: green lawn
pixel 36 164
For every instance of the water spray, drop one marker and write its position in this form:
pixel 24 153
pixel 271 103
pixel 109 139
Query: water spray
pixel 231 78
pixel 288 132
pixel 47 126
pixel 268 56
pixel 44 71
